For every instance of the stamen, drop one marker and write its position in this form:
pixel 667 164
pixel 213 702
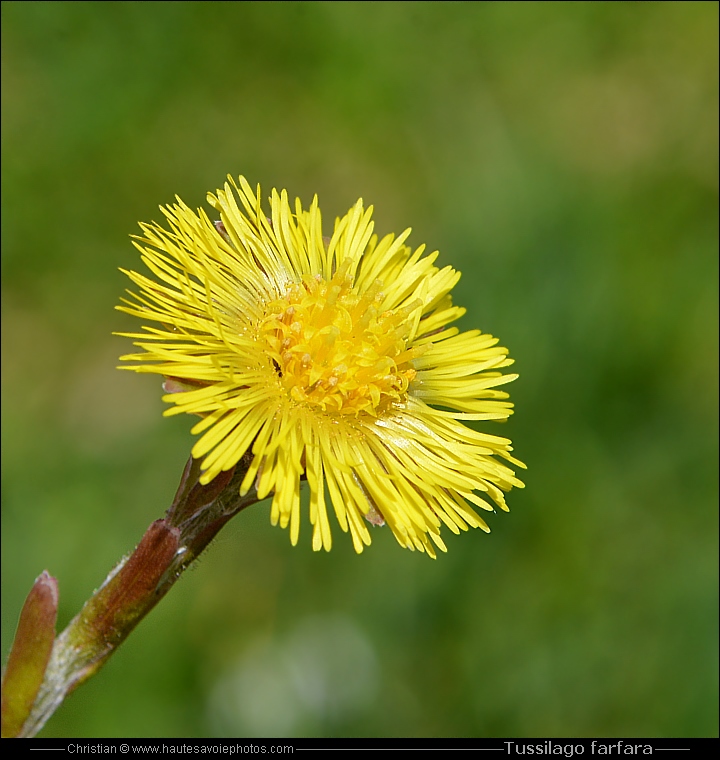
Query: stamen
pixel 337 350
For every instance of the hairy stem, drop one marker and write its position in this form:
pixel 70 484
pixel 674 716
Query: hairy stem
pixel 136 584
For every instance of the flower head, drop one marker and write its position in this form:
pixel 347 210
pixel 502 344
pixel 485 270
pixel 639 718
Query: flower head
pixel 329 359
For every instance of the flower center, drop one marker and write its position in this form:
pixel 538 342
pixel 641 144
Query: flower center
pixel 335 350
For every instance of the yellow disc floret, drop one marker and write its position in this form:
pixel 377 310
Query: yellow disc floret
pixel 334 350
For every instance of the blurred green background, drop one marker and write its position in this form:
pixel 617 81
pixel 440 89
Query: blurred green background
pixel 564 157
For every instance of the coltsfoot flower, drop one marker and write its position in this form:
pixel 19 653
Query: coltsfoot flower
pixel 326 359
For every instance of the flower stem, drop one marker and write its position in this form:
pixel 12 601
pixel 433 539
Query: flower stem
pixel 133 587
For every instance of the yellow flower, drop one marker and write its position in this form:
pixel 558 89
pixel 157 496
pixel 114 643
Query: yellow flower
pixel 329 359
